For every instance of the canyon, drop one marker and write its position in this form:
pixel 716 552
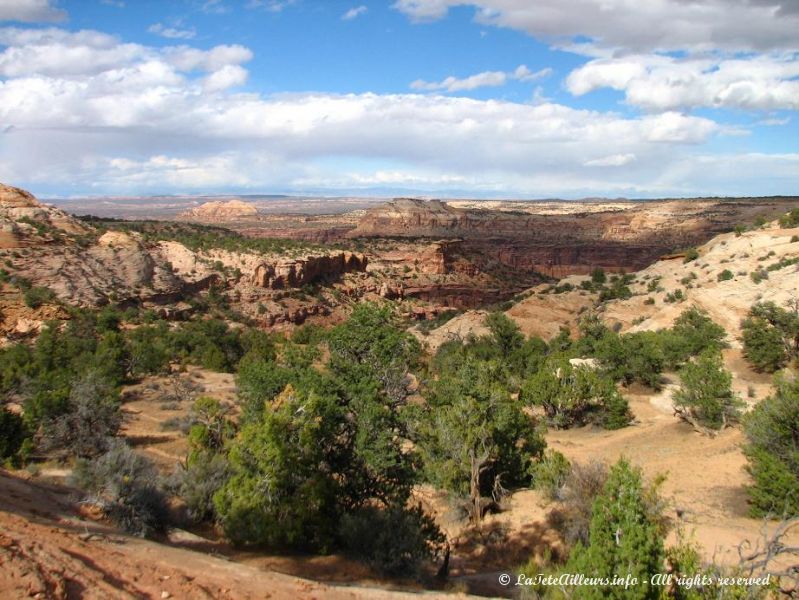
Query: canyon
pixel 618 236
pixel 429 255
pixel 551 238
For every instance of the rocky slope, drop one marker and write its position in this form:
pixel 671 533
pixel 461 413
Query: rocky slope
pixel 770 253
pixel 84 265
pixel 24 221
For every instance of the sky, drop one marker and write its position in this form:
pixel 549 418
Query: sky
pixel 445 98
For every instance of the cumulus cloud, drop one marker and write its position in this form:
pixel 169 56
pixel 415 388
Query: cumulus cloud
pixel 59 53
pixel 733 53
pixel 225 77
pixel 172 33
pixel 354 13
pixel 666 83
pixel 643 26
pixel 87 111
pixel 484 79
pixel 31 11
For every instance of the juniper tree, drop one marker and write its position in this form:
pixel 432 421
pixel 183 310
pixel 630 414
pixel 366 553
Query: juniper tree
pixel 625 538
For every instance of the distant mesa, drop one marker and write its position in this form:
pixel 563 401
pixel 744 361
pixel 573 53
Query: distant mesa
pixel 12 197
pixel 220 210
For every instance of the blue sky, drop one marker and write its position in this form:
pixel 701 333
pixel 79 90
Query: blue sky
pixel 483 98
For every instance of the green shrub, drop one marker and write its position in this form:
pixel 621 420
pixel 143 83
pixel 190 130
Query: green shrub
pixel 277 493
pixel 693 332
pixel 92 418
pixel 573 396
pixel 790 219
pixel 473 435
pixel 505 332
pixel 12 434
pixel 598 276
pixel 550 474
pixel 633 357
pixel 705 398
pixel 197 481
pixel 125 486
pixel 770 336
pixel 625 539
pixel 618 290
pixel 330 444
pixel 34 297
pixel 691 254
pixel 725 275
pixel 782 263
pixel 675 296
pixel 394 541
pixel 772 431
pixel 578 493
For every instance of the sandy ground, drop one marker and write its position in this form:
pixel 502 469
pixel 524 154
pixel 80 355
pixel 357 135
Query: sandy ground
pixel 53 551
pixel 151 403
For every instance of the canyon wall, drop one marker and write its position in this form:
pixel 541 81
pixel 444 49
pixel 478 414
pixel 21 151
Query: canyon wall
pixel 624 236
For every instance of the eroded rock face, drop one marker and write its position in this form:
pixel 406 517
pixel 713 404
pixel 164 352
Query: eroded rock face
pixel 13 197
pixel 24 221
pixel 292 273
pixel 220 211
pixel 626 235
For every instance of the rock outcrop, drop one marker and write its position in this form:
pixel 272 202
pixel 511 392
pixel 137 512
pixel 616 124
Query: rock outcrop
pixel 220 211
pixel 13 197
pixel 24 221
pixel 293 273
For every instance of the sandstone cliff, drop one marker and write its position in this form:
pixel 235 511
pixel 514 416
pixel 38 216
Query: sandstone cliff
pixel 288 273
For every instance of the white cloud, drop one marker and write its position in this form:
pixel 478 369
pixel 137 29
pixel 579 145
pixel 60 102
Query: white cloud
pixel 274 6
pixel 736 53
pixel 172 33
pixel 225 77
pixel 666 83
pixel 186 58
pixel 86 111
pixel 774 122
pixel 424 10
pixel 215 7
pixel 354 12
pixel 453 84
pixel 484 79
pixel 62 54
pixel 698 25
pixel 522 73
pixel 614 160
pixel 31 11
